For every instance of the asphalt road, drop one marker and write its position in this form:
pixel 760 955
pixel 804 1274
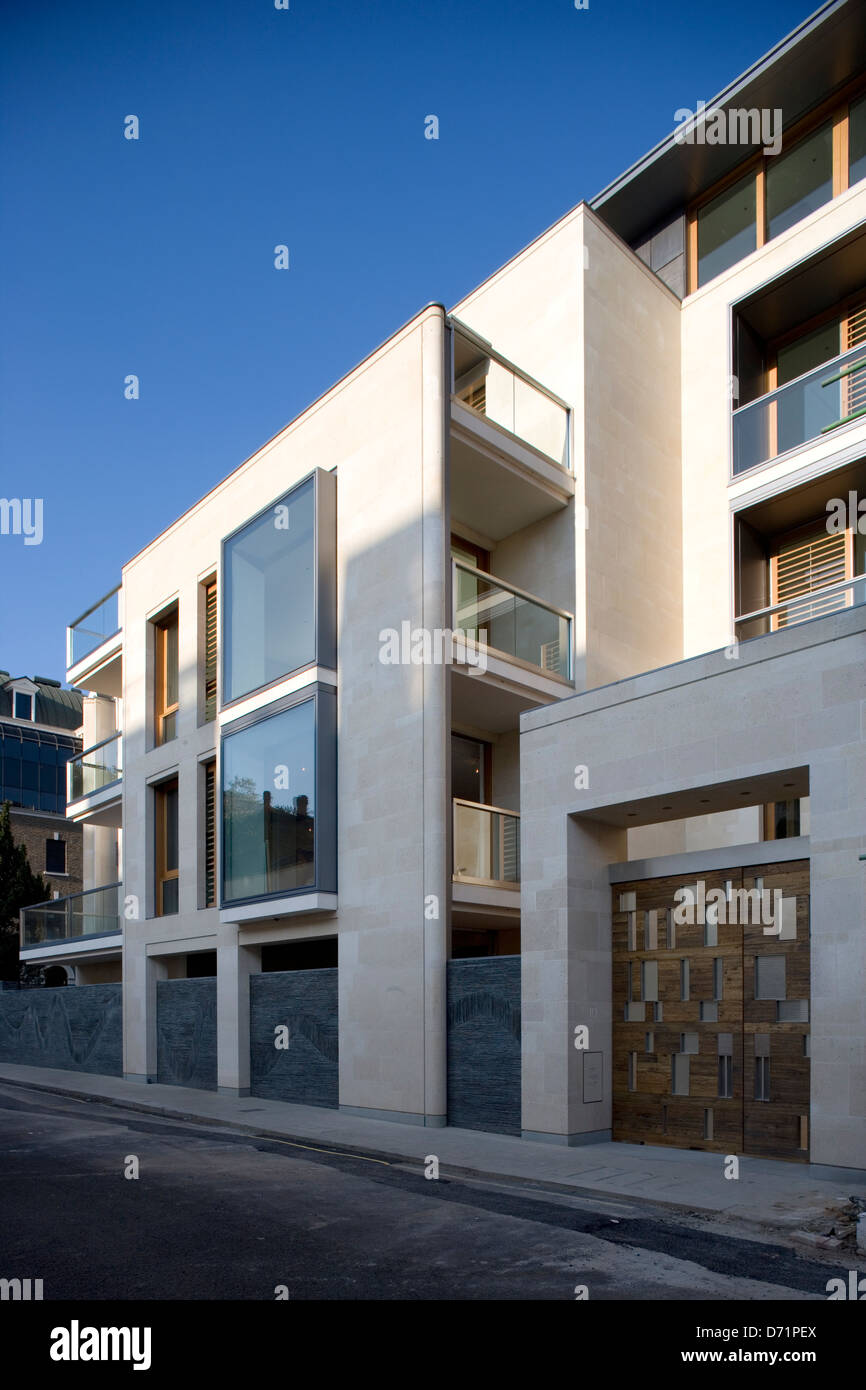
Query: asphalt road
pixel 219 1215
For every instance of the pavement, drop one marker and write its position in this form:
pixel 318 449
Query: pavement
pixel 767 1194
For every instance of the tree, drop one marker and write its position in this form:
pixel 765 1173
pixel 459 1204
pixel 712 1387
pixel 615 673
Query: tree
pixel 19 887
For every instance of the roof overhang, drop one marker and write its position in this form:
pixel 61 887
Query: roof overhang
pixel 821 55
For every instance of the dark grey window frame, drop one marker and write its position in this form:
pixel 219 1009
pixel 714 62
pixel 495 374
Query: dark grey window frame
pixel 324 698
pixel 324 582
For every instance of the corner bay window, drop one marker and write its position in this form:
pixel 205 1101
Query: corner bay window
pixel 278 765
pixel 270 609
pixel 277 839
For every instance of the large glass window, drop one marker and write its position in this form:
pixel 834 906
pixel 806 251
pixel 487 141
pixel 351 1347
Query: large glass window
pixel 857 141
pixel 269 805
pixel 727 229
pixel 800 181
pixel 269 604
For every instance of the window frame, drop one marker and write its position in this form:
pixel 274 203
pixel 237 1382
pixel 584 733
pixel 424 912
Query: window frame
pixel 836 110
pixel 56 873
pixel 210 787
pixel 162 708
pixel 324 653
pixel 210 653
pixel 24 695
pixel 324 698
pixel 162 874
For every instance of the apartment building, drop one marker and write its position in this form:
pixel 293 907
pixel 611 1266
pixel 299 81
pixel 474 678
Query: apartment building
pixel 39 727
pixel 43 768
pixel 464 724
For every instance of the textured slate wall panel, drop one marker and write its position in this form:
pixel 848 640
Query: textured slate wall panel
pixel 78 1028
pixel 186 1048
pixel 306 1002
pixel 484 1044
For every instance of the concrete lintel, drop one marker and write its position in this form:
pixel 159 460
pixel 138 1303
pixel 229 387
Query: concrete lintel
pixel 704 860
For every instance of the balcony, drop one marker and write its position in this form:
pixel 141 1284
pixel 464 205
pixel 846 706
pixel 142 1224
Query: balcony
pixel 486 846
pixel 815 604
pixel 512 625
pixel 74 920
pixel 808 408
pixel 94 648
pixel 95 783
pixel 510 441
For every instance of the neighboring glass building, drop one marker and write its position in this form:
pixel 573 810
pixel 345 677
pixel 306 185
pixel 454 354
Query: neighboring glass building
pixel 33 758
pixel 38 724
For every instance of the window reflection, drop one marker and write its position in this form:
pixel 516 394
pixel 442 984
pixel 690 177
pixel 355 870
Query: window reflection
pixel 269 805
pixel 270 599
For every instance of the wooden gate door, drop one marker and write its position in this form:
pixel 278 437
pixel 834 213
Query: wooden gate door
pixel 711 1011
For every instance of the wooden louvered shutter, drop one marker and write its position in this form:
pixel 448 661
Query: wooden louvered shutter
pixel 210 657
pixel 806 563
pixel 854 385
pixel 210 835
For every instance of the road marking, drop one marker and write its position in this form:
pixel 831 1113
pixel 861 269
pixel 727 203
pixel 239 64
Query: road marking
pixel 336 1152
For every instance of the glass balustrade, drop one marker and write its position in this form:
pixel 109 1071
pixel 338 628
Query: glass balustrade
pixel 486 845
pixel 494 613
pixel 95 768
pixel 93 628
pixel 94 913
pixel 811 406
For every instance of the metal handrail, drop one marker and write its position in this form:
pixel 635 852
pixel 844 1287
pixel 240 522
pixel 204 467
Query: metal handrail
pixel 92 609
pixel 93 747
pixel 854 367
pixel 809 597
pixel 512 589
pixel 795 380
pixel 57 903
pixel 490 351
pixel 482 806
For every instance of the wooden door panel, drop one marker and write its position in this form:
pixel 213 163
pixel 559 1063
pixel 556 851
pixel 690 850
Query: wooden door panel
pixel 745 1105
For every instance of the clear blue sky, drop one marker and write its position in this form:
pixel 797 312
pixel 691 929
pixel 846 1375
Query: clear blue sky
pixel 257 127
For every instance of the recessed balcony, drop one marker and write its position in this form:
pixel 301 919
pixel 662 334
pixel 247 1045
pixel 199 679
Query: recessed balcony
pixel 94 648
pixel 816 603
pixel 95 784
pixel 808 408
pixel 485 864
pixel 510 441
pixel 512 650
pixel 71 922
